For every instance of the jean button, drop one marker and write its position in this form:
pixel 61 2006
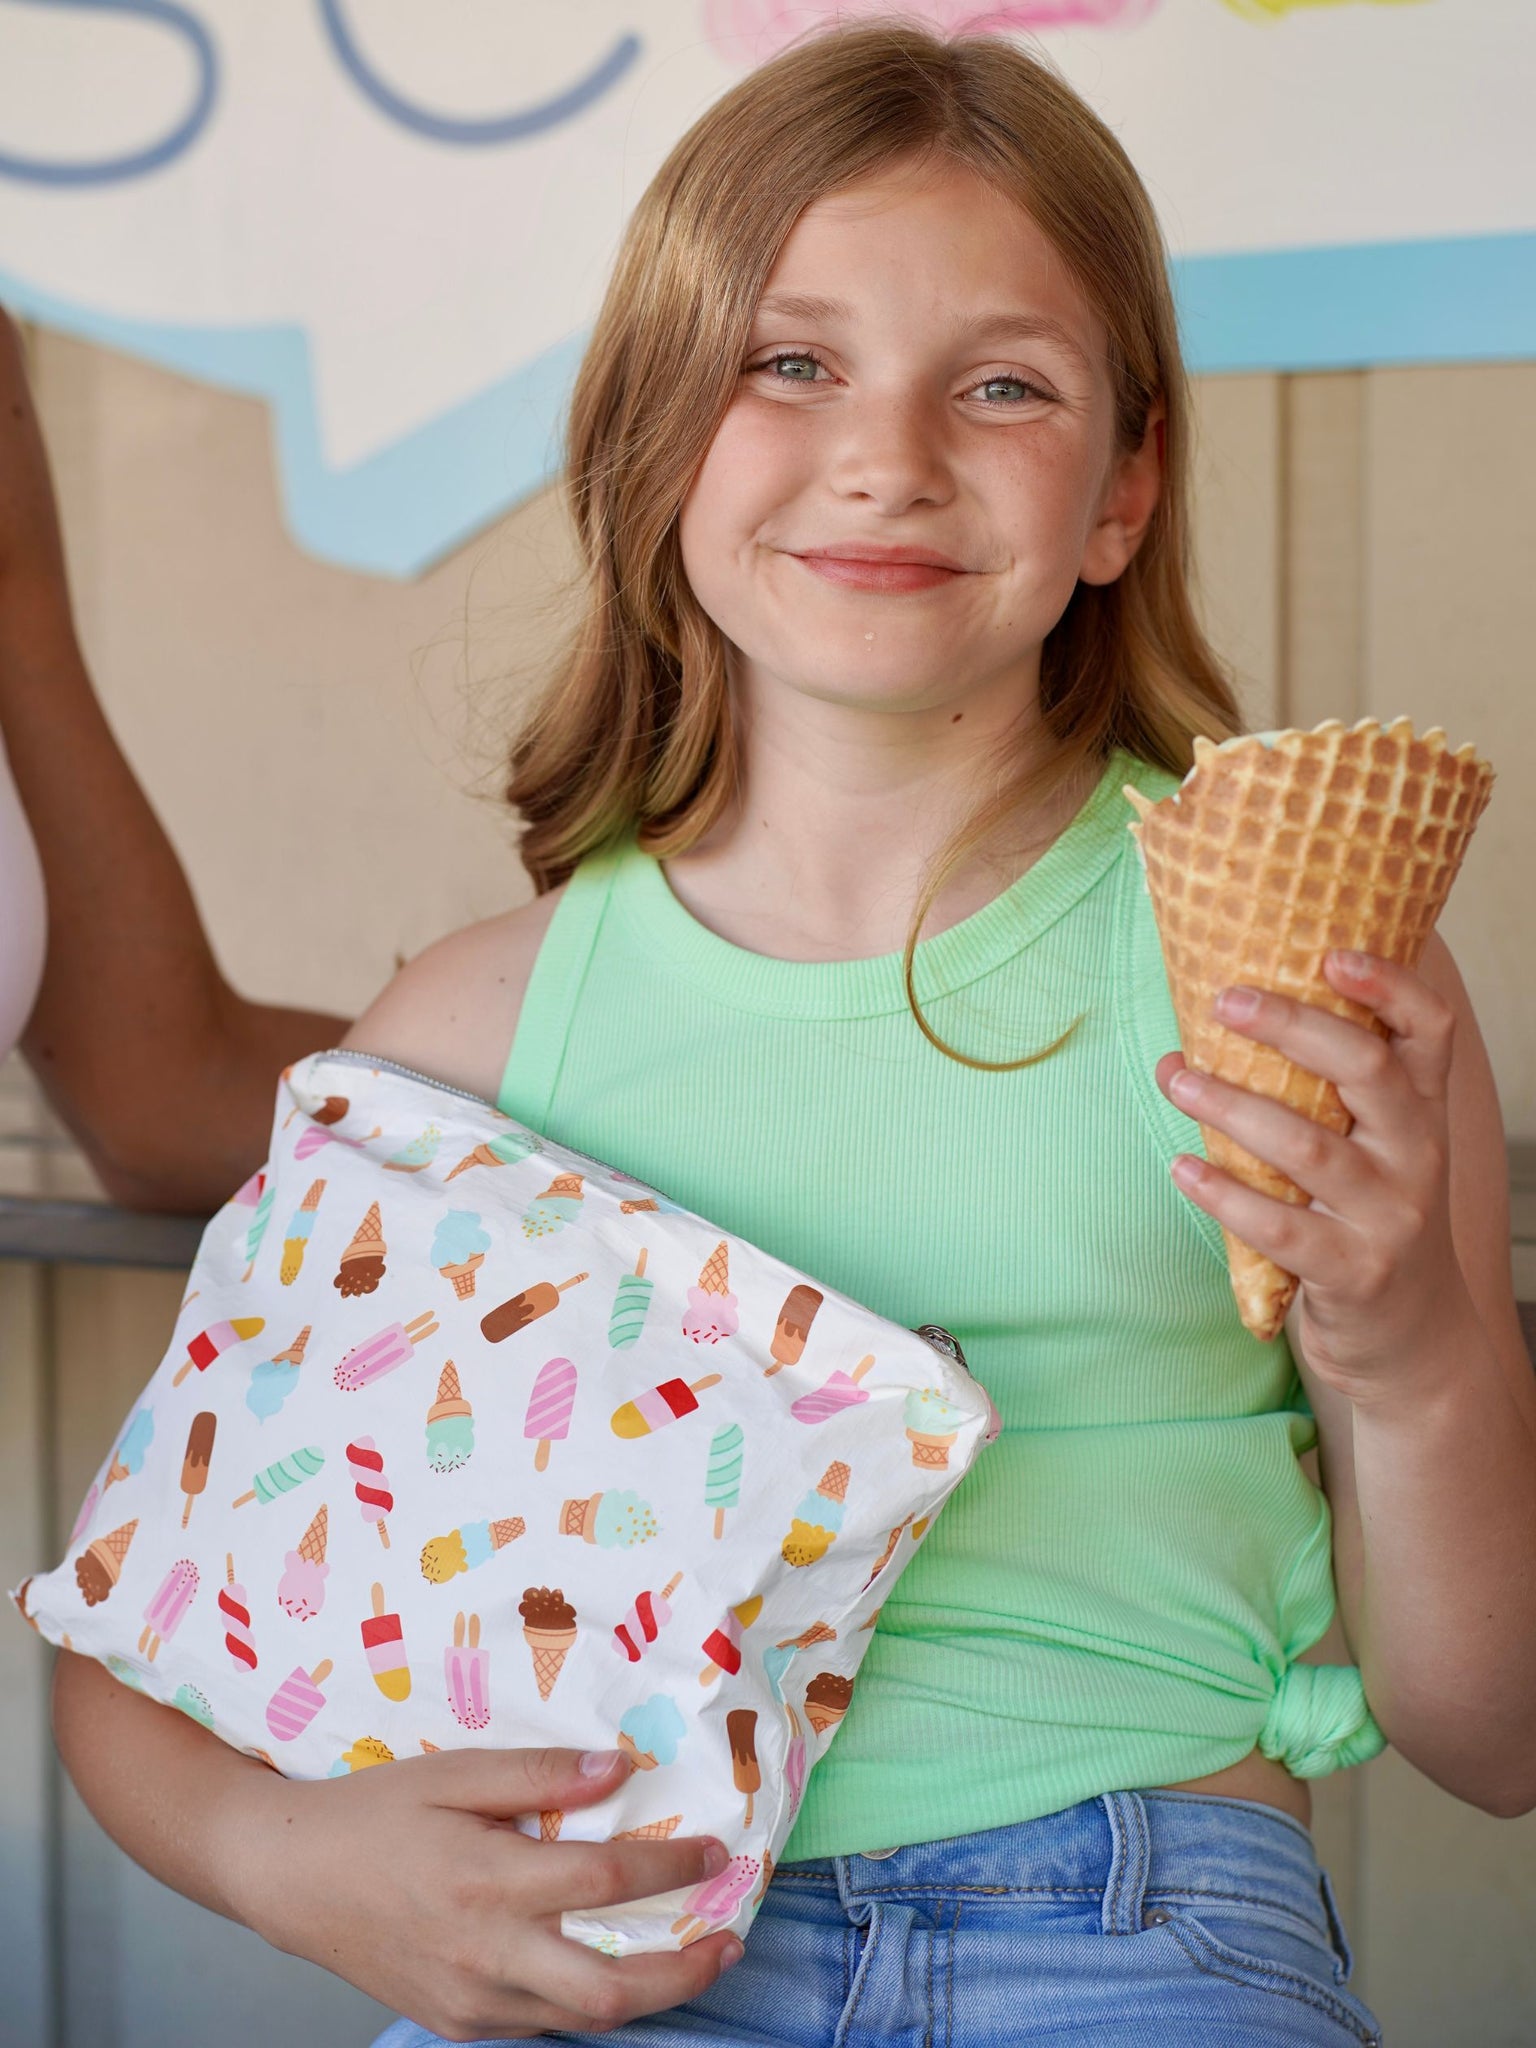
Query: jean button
pixel 878 1855
pixel 1155 1917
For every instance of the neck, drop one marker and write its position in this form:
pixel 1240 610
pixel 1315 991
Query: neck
pixel 843 811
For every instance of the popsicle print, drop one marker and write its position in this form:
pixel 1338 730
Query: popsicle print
pixel 297 1701
pixel 793 1326
pixel 384 1647
pixel 525 1308
pixel 258 1229
pixel 741 1733
pixel 282 1476
pixel 213 1342
pixel 715 1902
pixel 630 1304
pixel 383 1353
pixel 649 1615
pixel 722 1646
pixel 371 1485
pixel 194 1466
pixel 842 1390
pixel 300 1228
pixel 235 1606
pixel 722 1477
pixel 467 1669
pixel 549 1408
pixel 667 1403
pixel 164 1614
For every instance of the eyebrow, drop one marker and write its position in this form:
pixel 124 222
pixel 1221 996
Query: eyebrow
pixel 986 327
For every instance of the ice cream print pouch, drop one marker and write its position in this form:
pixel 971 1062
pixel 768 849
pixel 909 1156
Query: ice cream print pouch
pixel 464 1437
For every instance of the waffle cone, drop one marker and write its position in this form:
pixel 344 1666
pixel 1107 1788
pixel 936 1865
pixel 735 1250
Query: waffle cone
pixel 549 1648
pixel 312 1542
pixel 506 1531
pixel 716 1276
pixel 450 1395
pixel 579 1517
pixel 1264 859
pixel 565 1184
pixel 311 1201
pixel 930 1451
pixel 834 1481
pixel 551 1820
pixel 822 1718
pixel 113 1548
pixel 368 1238
pixel 481 1156
pixel 463 1276
pixel 653 1831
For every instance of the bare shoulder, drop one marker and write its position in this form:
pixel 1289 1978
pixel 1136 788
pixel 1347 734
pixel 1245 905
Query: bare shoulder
pixel 451 1011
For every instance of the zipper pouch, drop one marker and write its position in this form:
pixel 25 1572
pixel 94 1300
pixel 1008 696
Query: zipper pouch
pixel 464 1437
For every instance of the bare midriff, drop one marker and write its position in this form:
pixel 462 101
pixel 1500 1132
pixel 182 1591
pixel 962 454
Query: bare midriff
pixel 1256 1777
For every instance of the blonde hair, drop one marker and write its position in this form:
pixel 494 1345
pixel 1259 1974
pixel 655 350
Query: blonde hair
pixel 633 728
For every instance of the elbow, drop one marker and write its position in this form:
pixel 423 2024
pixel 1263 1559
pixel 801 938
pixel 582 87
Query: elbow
pixel 1508 1802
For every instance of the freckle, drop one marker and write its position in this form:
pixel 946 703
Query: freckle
pixel 957 718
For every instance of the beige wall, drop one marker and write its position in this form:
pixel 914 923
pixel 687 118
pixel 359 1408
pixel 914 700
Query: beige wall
pixel 309 736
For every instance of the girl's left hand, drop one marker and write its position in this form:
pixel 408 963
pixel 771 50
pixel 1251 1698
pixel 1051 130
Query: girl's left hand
pixel 1373 1252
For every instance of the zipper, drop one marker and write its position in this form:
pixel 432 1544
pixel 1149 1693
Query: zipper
pixel 935 1334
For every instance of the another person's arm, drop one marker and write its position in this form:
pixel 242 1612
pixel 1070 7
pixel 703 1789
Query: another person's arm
pixel 161 1071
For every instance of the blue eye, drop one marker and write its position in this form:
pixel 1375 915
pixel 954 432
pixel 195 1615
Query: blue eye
pixel 774 362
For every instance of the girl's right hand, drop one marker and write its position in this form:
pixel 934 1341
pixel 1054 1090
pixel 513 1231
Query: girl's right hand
pixel 410 1881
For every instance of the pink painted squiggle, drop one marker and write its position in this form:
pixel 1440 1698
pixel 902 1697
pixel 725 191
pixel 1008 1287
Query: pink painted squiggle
pixel 750 32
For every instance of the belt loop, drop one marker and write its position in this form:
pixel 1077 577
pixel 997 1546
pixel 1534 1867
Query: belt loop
pixel 1130 1857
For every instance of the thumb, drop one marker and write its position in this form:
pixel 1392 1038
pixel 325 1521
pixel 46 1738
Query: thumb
pixel 502 1783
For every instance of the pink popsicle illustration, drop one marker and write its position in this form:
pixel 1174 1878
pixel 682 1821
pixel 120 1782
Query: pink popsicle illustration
pixel 381 1354
pixel 649 1615
pixel 549 1408
pixel 297 1701
pixel 840 1391
pixel 713 1903
pixel 213 1342
pixel 163 1615
pixel 661 1405
pixel 370 1482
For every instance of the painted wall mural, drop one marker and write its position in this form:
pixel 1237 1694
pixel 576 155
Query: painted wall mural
pixel 395 223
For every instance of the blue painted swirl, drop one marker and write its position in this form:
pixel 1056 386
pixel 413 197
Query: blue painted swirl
pixel 494 129
pixel 116 170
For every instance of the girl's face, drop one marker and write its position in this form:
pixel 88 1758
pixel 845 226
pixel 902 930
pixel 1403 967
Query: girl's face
pixel 897 418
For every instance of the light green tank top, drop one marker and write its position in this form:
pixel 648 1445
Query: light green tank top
pixel 1116 1594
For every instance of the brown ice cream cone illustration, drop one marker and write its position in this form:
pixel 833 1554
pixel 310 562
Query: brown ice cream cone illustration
pixel 463 1275
pixel 549 1647
pixel 100 1565
pixel 818 1632
pixel 653 1831
pixel 312 1542
pixel 826 1700
pixel 362 1263
pixel 1262 861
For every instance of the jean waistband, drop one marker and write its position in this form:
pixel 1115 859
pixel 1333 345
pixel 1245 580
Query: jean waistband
pixel 1127 1848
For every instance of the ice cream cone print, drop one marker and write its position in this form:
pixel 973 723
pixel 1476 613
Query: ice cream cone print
pixel 826 1700
pixel 463 1275
pixel 362 1263
pixel 461 1550
pixel 550 1823
pixel 301 1589
pixel 419 1153
pixel 767 1878
pixel 296 1242
pixel 100 1565
pixel 450 1424
pixel 711 1313
pixel 639 1759
pixel 653 1830
pixel 887 1554
pixel 932 1426
pixel 549 1629
pixel 559 1204
pixel 818 1519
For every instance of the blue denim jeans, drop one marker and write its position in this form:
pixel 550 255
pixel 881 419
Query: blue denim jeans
pixel 1170 1919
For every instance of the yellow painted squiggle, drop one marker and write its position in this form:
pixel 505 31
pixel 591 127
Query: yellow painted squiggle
pixel 1271 10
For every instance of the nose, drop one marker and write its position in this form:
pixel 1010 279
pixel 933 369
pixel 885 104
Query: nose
pixel 891 450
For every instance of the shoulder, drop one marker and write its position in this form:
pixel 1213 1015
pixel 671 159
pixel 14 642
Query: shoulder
pixel 451 1012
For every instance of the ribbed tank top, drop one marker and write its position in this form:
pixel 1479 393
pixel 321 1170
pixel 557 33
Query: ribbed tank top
pixel 1116 1594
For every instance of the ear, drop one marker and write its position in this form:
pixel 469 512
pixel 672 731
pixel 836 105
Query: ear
pixel 1130 498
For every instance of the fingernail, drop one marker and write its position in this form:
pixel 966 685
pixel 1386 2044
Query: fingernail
pixel 730 1955
pixel 716 1857
pixel 1237 1003
pixel 1187 1171
pixel 1353 963
pixel 594 1762
pixel 1185 1085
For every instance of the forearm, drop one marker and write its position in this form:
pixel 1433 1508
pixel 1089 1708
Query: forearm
pixel 1445 1632
pixel 172 1796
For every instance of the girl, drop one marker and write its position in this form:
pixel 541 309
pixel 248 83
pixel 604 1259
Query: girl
pixel 878 463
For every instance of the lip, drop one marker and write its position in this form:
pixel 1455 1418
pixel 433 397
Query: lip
pixel 868 551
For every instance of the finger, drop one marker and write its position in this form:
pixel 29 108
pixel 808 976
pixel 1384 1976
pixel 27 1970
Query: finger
pixel 503 1783
pixel 1328 1167
pixel 607 1991
pixel 1370 1078
pixel 577 1876
pixel 1422 1022
pixel 1299 1240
